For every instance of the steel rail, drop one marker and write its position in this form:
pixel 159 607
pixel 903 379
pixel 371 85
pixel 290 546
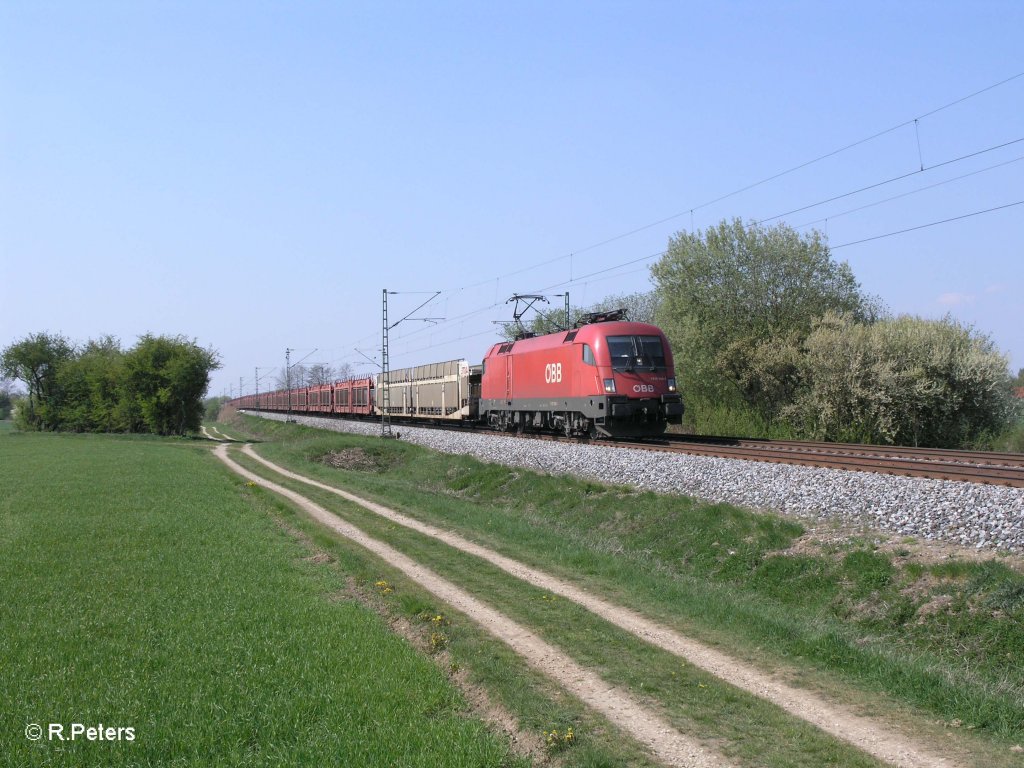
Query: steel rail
pixel 1005 469
pixel 978 458
pixel 908 464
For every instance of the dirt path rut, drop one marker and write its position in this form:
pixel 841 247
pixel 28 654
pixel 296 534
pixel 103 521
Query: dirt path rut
pixel 645 725
pixel 872 736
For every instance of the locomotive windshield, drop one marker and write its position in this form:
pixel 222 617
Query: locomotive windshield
pixel 629 353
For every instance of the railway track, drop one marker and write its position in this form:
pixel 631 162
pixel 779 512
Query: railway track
pixel 966 466
pixel 991 468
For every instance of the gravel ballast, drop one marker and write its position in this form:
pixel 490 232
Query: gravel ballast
pixel 967 514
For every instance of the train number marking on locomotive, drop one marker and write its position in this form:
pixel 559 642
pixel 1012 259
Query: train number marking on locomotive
pixel 553 373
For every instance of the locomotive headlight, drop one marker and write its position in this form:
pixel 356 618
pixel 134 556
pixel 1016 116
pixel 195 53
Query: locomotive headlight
pixel 609 386
pixel 671 385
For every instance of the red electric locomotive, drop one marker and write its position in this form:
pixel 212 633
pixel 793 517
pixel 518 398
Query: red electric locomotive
pixel 608 377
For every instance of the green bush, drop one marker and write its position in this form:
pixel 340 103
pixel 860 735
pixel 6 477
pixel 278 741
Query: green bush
pixel 157 386
pixel 905 381
pixel 212 406
pixel 724 292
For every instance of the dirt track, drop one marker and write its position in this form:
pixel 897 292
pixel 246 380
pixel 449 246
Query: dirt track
pixel 872 736
pixel 645 725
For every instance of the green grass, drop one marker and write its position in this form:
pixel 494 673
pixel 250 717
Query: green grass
pixel 538 704
pixel 222 429
pixel 146 587
pixel 1010 439
pixel 742 726
pixel 889 632
pixel 712 417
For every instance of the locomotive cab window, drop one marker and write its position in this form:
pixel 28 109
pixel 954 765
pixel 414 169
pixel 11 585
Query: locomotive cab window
pixel 588 355
pixel 630 353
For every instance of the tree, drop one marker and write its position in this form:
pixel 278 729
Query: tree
pixel 7 397
pixel 294 378
pixel 319 373
pixel 904 380
pixel 157 386
pixel 766 373
pixel 91 384
pixel 165 381
pixel 312 375
pixel 36 361
pixel 731 288
pixel 212 406
pixel 641 307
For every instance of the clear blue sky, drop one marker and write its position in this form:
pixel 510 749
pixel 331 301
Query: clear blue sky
pixel 254 174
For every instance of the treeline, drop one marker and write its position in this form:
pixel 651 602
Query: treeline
pixel 155 387
pixel 771 334
pixel 774 338
pixel 311 375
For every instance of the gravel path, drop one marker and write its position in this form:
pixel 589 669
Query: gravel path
pixel 968 514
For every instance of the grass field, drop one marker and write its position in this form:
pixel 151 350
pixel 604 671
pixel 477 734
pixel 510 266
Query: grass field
pixel 934 644
pixel 146 588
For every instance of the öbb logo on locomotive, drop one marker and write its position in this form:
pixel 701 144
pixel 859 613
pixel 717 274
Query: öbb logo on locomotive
pixel 616 379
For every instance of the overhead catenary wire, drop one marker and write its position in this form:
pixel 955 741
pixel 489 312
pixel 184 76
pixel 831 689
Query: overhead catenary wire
pixel 912 121
pixel 911 192
pixel 578 280
pixel 760 182
pixel 891 180
pixel 930 224
pixel 581 279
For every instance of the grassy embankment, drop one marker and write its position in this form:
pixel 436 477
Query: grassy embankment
pixel 147 588
pixel 935 644
pixel 707 417
pixel 1011 439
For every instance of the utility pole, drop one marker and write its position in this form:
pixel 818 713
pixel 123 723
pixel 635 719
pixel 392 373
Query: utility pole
pixel 239 386
pixel 257 389
pixel 385 377
pixel 288 377
pixel 288 380
pixel 385 396
pixel 566 295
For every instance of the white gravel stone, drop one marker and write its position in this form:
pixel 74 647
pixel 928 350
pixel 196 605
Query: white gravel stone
pixel 983 516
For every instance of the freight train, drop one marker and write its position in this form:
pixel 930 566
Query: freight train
pixel 606 378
